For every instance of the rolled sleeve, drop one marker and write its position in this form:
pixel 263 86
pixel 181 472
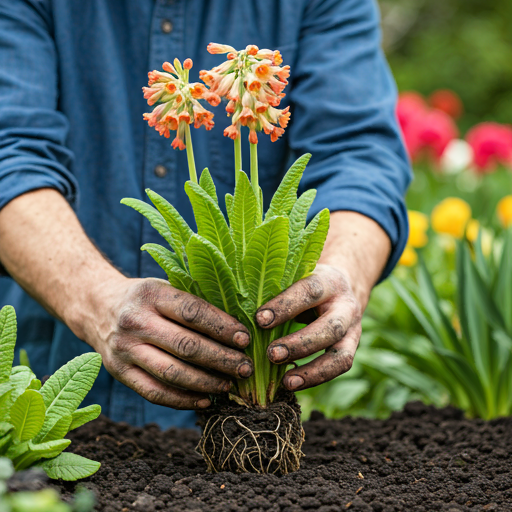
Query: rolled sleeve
pixel 343 99
pixel 33 132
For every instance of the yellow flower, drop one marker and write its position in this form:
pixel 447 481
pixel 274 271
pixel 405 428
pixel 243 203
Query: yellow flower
pixel 472 230
pixel 418 225
pixel 409 257
pixel 504 211
pixel 451 216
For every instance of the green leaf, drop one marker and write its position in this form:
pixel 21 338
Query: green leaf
pixel 153 215
pixel 265 260
pixel 7 341
pixel 82 416
pixel 38 451
pixel 6 469
pixel 303 258
pixel 286 194
pixel 503 289
pixel 24 360
pixel 35 384
pixel 229 206
pixel 243 219
pixel 180 230
pixel 6 431
pixel 213 274
pixel 69 467
pixel 170 263
pixel 211 223
pixel 206 183
pixel 5 400
pixel 21 379
pixel 67 387
pixel 59 430
pixel 299 215
pixel 27 414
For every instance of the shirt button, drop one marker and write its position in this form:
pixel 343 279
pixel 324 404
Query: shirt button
pixel 166 26
pixel 160 171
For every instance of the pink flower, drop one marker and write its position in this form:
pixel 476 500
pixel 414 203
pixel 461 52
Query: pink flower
pixel 491 144
pixel 447 101
pixel 426 131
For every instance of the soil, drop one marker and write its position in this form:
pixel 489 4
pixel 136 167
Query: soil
pixel 422 459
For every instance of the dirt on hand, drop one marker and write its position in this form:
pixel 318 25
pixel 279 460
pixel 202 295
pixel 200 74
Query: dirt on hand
pixel 420 460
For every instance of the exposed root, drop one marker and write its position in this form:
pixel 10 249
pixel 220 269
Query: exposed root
pixel 253 441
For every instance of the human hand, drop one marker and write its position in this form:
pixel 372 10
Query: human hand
pixel 337 329
pixel 144 335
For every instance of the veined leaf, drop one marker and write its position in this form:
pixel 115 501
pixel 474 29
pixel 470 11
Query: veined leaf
pixel 7 341
pixel 244 219
pixel 286 194
pixel 35 384
pixel 59 430
pixel 211 223
pixel 24 360
pixel 21 379
pixel 265 260
pixel 207 184
pixel 37 451
pixel 6 430
pixel 82 416
pixel 69 467
pixel 303 258
pixel 229 207
pixel 67 387
pixel 27 414
pixel 299 215
pixel 5 400
pixel 211 271
pixel 155 219
pixel 170 263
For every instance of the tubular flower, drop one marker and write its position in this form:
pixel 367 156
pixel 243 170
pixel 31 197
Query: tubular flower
pixel 418 225
pixel 409 257
pixel 252 80
pixel 504 211
pixel 177 101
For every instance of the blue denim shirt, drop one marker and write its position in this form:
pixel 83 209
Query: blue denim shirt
pixel 71 110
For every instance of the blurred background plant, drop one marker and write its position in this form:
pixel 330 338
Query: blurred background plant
pixel 452 60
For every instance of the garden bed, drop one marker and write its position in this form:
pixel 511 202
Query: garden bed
pixel 422 459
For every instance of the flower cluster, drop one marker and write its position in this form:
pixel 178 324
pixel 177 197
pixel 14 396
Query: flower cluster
pixel 492 144
pixel 177 101
pixel 252 80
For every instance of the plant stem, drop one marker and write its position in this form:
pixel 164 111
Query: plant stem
pixel 190 155
pixel 238 156
pixel 254 170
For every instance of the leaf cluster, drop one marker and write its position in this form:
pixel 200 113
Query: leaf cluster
pixel 470 354
pixel 239 263
pixel 34 419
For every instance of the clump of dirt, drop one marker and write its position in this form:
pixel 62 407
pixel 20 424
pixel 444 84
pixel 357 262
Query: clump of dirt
pixel 420 460
pixel 245 439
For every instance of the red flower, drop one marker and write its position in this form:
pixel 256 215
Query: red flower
pixel 492 144
pixel 447 101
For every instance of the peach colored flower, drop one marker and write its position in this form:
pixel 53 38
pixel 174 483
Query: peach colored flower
pixel 177 101
pixel 252 80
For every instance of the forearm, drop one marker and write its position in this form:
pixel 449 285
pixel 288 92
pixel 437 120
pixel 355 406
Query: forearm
pixel 357 245
pixel 45 249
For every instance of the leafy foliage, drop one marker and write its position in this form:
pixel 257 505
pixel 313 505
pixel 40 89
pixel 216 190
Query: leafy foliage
pixel 470 354
pixel 240 263
pixel 34 419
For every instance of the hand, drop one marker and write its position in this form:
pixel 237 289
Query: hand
pixel 337 328
pixel 145 337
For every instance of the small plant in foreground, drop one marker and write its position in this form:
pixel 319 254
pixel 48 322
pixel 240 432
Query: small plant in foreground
pixel 471 353
pixel 34 419
pixel 239 263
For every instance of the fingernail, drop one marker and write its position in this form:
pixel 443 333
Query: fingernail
pixel 226 386
pixel 295 382
pixel 203 403
pixel 265 317
pixel 241 339
pixel 279 353
pixel 245 370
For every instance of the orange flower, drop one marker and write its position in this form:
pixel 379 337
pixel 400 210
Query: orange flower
pixel 252 80
pixel 177 101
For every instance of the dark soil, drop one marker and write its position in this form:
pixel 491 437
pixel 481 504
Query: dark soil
pixel 422 459
pixel 244 439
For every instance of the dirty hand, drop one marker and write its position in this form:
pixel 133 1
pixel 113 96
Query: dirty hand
pixel 147 343
pixel 336 330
